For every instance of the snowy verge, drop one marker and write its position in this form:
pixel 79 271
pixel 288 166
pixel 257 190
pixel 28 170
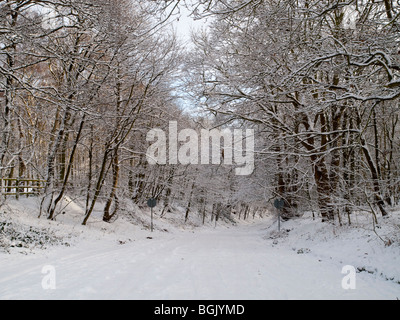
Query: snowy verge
pixel 234 259
pixel 21 231
pixel 370 248
pixel 373 249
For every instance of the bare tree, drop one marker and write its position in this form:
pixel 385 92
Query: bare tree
pixel 308 70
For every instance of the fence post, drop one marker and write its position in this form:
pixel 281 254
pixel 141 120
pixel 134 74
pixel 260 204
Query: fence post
pixel 17 188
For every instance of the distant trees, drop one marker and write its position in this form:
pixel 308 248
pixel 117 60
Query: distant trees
pixel 318 80
pixel 77 79
pixel 81 84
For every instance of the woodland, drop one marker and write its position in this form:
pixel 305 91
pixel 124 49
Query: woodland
pixel 82 82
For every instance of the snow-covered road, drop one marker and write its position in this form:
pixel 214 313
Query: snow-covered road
pixel 234 263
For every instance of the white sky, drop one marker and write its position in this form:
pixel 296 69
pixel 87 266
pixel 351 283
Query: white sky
pixel 187 24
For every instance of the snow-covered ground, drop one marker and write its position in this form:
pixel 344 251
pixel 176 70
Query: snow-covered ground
pixel 247 261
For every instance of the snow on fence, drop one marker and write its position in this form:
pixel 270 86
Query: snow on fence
pixel 18 187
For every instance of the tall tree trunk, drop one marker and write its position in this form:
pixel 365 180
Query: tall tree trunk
pixel 335 141
pixel 189 204
pixel 9 92
pixel 53 205
pixel 99 184
pixel 114 187
pixel 373 170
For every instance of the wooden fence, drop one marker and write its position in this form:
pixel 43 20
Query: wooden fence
pixel 19 187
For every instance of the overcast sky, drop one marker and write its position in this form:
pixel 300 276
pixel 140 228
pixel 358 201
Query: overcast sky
pixel 186 24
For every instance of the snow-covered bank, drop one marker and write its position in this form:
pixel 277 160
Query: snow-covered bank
pixel 246 261
pixel 21 230
pixel 370 249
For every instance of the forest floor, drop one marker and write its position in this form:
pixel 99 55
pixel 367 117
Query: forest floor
pixel 247 260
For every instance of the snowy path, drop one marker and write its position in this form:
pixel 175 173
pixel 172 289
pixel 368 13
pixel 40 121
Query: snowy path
pixel 234 263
